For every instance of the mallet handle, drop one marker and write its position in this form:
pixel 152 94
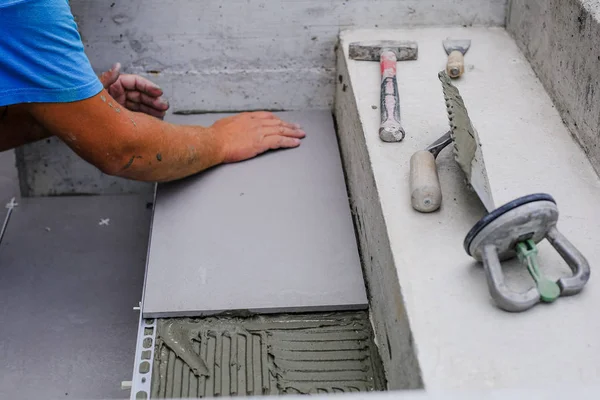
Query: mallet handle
pixel 425 190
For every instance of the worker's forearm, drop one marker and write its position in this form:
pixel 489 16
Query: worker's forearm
pixel 136 146
pixel 17 128
pixel 129 144
pixel 160 151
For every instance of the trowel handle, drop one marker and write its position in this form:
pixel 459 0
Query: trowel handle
pixel 456 64
pixel 425 190
pixel 390 129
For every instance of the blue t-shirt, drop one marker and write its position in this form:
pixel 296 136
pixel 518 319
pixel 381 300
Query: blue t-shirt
pixel 41 54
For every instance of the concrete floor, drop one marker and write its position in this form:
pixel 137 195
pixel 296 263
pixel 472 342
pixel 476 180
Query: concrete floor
pixel 67 288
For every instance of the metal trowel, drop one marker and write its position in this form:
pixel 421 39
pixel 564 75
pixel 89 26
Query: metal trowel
pixel 467 147
pixel 515 228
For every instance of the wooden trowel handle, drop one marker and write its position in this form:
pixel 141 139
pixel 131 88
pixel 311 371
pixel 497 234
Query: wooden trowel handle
pixel 425 190
pixel 456 64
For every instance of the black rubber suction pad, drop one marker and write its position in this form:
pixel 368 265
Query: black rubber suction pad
pixel 509 225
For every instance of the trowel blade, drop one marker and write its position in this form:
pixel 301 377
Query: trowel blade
pixel 461 45
pixel 467 147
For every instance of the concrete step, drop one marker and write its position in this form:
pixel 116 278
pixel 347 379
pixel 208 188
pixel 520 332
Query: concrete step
pixel 423 285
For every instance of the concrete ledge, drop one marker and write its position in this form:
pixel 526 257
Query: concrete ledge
pixel 431 309
pixel 561 40
pixel 392 330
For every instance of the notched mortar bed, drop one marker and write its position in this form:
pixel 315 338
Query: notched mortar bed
pixel 262 355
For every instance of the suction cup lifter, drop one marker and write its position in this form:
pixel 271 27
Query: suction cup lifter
pixel 514 230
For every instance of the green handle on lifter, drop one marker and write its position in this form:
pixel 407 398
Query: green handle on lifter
pixel 527 252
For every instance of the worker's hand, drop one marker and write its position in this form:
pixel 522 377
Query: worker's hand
pixel 134 92
pixel 247 135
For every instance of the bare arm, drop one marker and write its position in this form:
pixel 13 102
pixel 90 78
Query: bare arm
pixel 136 146
pixel 17 127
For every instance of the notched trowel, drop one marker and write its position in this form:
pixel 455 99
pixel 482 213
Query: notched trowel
pixel 513 229
pixel 467 147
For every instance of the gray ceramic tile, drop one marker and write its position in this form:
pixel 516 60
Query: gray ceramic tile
pixel 67 288
pixel 270 234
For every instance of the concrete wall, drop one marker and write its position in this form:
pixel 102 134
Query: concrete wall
pixel 50 168
pixel 561 39
pixel 227 55
pixel 236 54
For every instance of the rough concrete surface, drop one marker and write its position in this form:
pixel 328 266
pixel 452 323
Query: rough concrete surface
pixel 392 331
pixel 9 182
pixel 67 288
pixel 224 55
pixel 460 338
pixel 561 40
pixel 271 234
pixel 282 354
pixel 51 168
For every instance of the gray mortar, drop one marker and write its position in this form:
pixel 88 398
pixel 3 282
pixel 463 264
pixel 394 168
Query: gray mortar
pixel 176 335
pixel 266 355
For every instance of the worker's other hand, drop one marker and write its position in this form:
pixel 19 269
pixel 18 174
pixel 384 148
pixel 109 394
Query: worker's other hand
pixel 247 135
pixel 134 92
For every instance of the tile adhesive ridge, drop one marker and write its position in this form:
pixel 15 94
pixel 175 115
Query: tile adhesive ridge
pixel 279 354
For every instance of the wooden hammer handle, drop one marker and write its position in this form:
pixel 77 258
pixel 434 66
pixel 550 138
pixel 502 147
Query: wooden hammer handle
pixel 425 190
pixel 456 64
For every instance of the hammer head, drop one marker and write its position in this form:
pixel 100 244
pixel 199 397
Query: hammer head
pixel 461 45
pixel 371 51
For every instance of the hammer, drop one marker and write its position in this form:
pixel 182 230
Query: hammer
pixel 387 52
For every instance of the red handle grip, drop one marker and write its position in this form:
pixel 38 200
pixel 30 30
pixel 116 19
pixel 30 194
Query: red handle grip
pixel 388 64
